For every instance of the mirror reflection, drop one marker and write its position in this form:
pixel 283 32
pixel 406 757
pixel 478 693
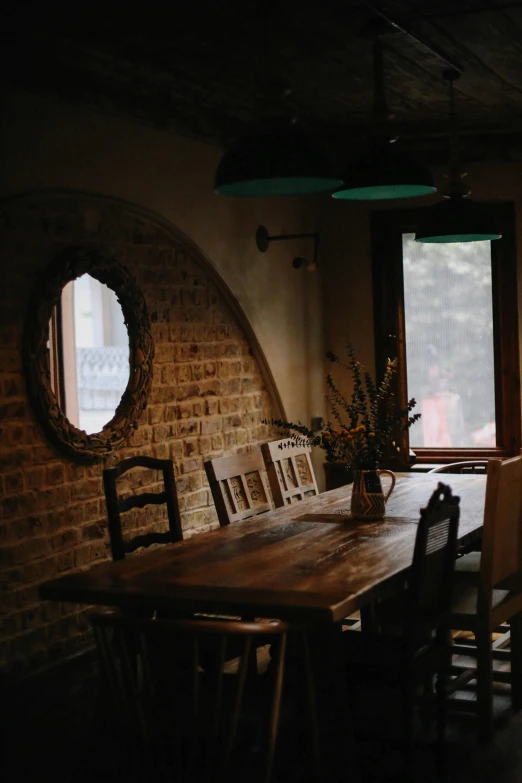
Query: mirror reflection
pixel 89 353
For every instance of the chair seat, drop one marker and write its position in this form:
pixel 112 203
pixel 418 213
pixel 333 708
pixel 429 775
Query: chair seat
pixel 465 603
pixel 366 653
pixel 468 564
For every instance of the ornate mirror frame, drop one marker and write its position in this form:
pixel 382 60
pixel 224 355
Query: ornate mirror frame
pixel 102 265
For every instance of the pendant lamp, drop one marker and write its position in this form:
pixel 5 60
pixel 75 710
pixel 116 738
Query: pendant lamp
pixel 384 171
pixel 279 158
pixel 457 218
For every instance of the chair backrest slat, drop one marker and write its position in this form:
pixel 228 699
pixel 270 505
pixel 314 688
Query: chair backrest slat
pixel 478 466
pixel 239 486
pixel 501 540
pixel 142 500
pixel 290 471
pixel 116 506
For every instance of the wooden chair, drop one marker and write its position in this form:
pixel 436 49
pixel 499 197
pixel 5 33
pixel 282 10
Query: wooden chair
pixel 412 644
pixel 144 700
pixel 493 597
pixel 468 466
pixel 239 486
pixel 290 471
pixel 116 507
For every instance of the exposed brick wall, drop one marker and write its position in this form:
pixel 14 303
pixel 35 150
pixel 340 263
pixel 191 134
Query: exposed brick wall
pixel 208 399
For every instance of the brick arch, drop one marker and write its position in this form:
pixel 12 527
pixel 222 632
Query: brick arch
pixel 211 389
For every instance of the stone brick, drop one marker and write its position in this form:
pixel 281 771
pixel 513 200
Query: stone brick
pixel 241 437
pixel 187 353
pixel 229 440
pixel 190 447
pixel 211 425
pixel 204 446
pixel 211 406
pixel 231 350
pixel 189 465
pixel 171 412
pixel 198 408
pixel 187 428
pixel 161 432
pixel 224 405
pixel 183 373
pixel 197 500
pixel 195 481
pixel 55 474
pixel 160 451
pixel 176 450
pixel 235 404
pixel 229 422
pixel 186 391
pixel 223 369
pixel 212 351
pixel 210 388
pixel 217 443
pixel 233 386
pixel 164 354
pixel 13 482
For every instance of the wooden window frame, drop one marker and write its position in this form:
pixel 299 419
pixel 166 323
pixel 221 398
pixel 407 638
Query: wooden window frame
pixel 387 229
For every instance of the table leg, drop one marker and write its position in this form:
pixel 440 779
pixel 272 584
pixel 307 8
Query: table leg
pixel 336 735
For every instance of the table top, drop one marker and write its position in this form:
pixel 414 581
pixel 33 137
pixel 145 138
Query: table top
pixel 309 562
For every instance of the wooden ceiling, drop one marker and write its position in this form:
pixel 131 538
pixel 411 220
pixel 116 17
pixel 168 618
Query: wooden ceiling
pixel 209 70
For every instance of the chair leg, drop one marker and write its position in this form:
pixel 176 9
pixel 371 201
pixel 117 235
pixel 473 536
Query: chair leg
pixel 239 697
pixel 441 707
pixel 484 681
pixel 312 706
pixel 217 702
pixel 408 698
pixel 276 707
pixel 516 662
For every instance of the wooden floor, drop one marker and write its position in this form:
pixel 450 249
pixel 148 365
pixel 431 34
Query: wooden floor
pixel 46 734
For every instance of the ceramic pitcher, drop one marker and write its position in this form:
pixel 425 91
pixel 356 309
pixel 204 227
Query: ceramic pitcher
pixel 368 499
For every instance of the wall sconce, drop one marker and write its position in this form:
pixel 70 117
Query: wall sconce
pixel 263 240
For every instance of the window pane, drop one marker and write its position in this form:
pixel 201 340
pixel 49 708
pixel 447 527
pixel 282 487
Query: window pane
pixel 449 343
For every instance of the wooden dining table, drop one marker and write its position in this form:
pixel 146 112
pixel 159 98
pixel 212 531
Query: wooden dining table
pixel 309 562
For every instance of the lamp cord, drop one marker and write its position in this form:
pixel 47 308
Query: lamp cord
pixel 456 186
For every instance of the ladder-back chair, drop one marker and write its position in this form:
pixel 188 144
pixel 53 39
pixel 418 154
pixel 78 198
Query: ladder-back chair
pixel 197 723
pixel 290 471
pixel 239 486
pixel 116 506
pixel 413 642
pixel 495 596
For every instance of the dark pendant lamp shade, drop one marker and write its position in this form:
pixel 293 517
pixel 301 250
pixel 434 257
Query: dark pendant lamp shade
pixel 278 159
pixel 386 173
pixel 457 219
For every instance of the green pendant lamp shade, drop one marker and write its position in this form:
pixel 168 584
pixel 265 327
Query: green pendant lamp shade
pixel 277 159
pixel 386 173
pixel 457 219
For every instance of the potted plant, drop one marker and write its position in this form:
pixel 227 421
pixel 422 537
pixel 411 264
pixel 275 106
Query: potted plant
pixel 365 429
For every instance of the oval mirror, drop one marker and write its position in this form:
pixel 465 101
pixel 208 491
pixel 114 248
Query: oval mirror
pixel 88 352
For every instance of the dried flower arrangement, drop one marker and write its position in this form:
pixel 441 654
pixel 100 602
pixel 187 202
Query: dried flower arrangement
pixel 366 426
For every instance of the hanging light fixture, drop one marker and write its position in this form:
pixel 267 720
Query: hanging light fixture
pixel 280 158
pixel 457 218
pixel 384 172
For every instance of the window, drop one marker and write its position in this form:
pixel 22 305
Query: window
pixel 449 312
